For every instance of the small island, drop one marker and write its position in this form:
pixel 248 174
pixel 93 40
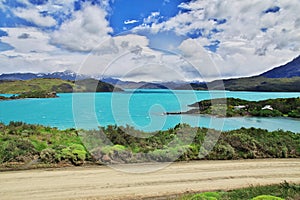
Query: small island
pixel 33 94
pixel 235 107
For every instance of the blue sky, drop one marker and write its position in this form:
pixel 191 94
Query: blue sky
pixel 149 40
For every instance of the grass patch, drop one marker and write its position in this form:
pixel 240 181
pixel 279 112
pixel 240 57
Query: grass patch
pixel 284 190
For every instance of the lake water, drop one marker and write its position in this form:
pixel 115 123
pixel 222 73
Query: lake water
pixel 142 109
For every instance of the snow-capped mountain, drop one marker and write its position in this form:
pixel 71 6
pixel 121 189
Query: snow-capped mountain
pixel 65 75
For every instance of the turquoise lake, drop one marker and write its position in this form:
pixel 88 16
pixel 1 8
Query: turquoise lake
pixel 142 109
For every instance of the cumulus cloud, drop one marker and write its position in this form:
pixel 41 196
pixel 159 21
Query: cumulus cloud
pixel 134 60
pixel 129 57
pixel 116 55
pixel 251 36
pixel 84 31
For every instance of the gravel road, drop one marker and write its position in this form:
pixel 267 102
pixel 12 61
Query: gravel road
pixel 102 182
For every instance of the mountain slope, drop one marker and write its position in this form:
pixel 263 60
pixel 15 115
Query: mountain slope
pixel 289 70
pixel 264 84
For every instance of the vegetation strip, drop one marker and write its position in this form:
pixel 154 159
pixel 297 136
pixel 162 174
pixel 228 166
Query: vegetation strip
pixel 22 143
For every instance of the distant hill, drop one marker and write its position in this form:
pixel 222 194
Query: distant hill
pixel 143 84
pixel 88 85
pixel 289 70
pixel 55 85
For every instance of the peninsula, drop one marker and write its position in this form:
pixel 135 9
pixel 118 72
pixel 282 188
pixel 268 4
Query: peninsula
pixel 234 107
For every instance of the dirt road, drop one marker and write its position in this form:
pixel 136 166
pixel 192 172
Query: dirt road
pixel 106 183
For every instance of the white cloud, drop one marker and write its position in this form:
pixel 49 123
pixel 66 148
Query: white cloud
pixel 201 63
pixel 105 59
pixel 38 62
pixel 84 31
pixel 36 41
pixel 56 7
pixel 33 15
pixel 131 21
pixel 33 53
pixel 32 12
pixel 244 48
pixel 152 18
pixel 130 58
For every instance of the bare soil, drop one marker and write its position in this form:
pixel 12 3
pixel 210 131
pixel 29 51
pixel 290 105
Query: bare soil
pixel 102 182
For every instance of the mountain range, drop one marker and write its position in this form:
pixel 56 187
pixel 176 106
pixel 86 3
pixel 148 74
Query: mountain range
pixel 282 78
pixel 66 75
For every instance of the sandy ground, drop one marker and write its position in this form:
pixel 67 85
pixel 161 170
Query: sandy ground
pixel 106 183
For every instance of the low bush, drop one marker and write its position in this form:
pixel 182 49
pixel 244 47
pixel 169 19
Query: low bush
pixel 206 196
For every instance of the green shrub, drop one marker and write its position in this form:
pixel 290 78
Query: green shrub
pixel 223 152
pixel 206 196
pixel 294 113
pixel 75 153
pixel 48 156
pixel 270 113
pixel 266 197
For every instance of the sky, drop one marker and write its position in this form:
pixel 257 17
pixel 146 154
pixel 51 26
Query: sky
pixel 143 40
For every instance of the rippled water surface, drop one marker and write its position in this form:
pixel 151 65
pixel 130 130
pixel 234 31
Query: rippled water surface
pixel 142 109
